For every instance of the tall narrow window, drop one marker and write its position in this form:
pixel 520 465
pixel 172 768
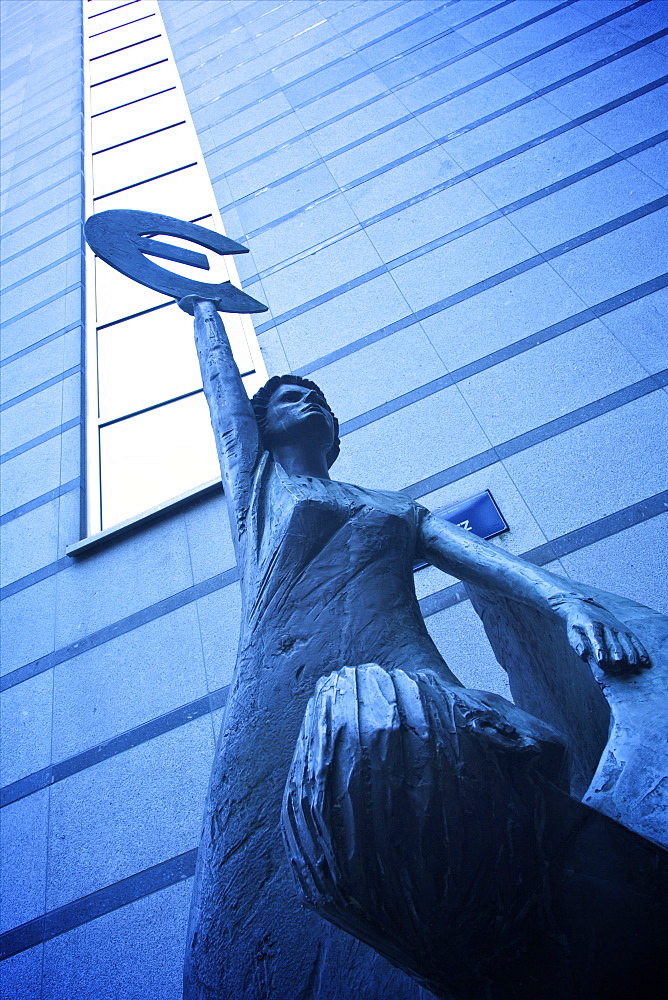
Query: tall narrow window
pixel 149 437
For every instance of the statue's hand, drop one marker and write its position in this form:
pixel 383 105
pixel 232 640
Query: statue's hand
pixel 598 637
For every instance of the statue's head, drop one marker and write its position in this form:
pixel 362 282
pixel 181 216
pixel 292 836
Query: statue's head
pixel 289 407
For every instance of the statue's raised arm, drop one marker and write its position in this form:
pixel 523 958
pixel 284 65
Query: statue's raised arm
pixel 234 423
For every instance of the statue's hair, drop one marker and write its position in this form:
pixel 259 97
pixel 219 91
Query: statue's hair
pixel 260 402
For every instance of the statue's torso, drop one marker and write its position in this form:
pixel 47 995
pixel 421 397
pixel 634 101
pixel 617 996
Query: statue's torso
pixel 327 576
pixel 326 582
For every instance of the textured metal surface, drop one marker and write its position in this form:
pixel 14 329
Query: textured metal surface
pixel 432 822
pixel 122 238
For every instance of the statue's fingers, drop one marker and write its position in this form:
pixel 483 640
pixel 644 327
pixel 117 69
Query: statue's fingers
pixel 618 660
pixel 614 651
pixel 579 642
pixel 617 654
pixel 631 653
pixel 622 654
pixel 638 655
pixel 637 658
pixel 643 655
pixel 595 633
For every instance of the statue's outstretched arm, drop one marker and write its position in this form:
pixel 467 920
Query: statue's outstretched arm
pixel 593 632
pixel 234 424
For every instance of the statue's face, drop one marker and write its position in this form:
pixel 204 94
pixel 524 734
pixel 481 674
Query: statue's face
pixel 295 412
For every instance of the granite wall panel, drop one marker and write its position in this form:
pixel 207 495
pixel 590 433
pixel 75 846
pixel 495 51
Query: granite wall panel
pixel 454 212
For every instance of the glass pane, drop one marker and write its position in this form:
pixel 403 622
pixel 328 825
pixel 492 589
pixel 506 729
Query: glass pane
pixel 136 161
pixel 124 35
pixel 183 195
pixel 218 271
pixel 145 361
pixel 139 84
pixel 148 459
pixel 135 119
pixel 94 7
pixel 117 14
pixel 253 382
pixel 118 296
pixel 235 332
pixel 127 59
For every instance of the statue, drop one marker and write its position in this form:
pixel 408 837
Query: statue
pixel 326 572
pixel 431 825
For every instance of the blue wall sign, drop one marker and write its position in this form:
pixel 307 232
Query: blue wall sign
pixel 478 514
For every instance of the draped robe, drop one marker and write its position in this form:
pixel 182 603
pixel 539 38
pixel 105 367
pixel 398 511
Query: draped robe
pixel 326 578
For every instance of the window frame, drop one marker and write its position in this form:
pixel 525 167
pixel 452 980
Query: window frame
pixel 93 527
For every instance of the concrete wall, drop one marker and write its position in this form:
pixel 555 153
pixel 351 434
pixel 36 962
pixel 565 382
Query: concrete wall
pixel 107 661
pixel 457 219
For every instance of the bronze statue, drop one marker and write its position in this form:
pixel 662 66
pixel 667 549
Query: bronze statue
pixel 327 585
pixel 455 844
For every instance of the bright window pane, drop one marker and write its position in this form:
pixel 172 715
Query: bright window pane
pixel 100 6
pixel 118 296
pixel 148 459
pixel 120 15
pixel 125 35
pixel 182 195
pixel 254 382
pixel 238 342
pixel 135 119
pixel 146 361
pixel 128 88
pixel 130 163
pixel 127 59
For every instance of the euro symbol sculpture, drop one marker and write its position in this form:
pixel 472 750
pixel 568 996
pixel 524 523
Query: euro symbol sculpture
pixel 122 238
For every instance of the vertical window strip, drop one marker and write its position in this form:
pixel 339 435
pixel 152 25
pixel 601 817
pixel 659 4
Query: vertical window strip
pixel 142 379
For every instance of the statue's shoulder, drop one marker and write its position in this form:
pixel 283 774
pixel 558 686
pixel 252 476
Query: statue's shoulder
pixel 391 500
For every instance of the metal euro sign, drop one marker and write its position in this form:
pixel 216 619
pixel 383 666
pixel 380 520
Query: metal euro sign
pixel 122 238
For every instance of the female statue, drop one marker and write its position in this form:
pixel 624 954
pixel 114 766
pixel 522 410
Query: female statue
pixel 327 583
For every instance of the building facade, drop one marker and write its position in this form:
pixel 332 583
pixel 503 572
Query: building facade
pixel 456 213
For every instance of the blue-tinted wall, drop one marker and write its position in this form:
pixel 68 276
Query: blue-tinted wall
pixel 107 661
pixel 42 191
pixel 457 215
pixel 457 219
